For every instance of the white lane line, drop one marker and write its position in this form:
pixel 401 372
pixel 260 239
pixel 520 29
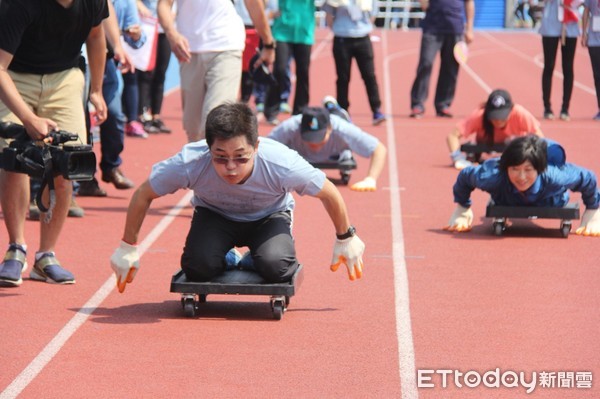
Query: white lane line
pixel 47 354
pixel 537 60
pixel 406 351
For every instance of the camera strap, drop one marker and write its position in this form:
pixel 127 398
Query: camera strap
pixel 47 180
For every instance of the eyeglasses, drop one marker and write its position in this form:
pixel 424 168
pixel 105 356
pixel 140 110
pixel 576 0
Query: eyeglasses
pixel 225 160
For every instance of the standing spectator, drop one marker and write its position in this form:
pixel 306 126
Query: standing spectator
pixel 443 26
pixel 551 30
pixel 112 131
pixel 151 84
pixel 590 25
pixel 351 25
pixel 41 87
pixel 208 42
pixel 294 32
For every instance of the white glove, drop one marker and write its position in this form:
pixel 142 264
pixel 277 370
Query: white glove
pixel 348 252
pixel 367 184
pixel 461 219
pixel 460 160
pixel 125 262
pixel 590 223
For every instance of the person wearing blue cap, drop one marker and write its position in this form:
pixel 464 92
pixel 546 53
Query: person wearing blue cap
pixel 320 136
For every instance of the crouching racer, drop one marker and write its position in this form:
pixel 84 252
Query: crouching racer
pixel 523 176
pixel 242 196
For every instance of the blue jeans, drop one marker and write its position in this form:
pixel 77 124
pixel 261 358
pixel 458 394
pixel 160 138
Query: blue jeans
pixel 112 130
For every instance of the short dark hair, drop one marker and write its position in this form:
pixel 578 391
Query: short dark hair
pixel 230 120
pixel 527 148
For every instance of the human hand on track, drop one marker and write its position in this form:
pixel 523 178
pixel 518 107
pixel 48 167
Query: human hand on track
pixel 349 252
pixel 125 262
pixel 590 223
pixel 367 184
pixel 461 220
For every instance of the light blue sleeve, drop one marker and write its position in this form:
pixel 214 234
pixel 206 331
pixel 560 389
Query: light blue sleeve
pixel 131 17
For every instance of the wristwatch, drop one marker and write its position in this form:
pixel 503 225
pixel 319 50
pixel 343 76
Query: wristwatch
pixel 270 46
pixel 350 233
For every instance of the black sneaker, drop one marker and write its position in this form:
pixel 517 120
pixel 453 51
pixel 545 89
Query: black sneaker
pixel 160 125
pixel 90 189
pixel 149 127
pixel 444 113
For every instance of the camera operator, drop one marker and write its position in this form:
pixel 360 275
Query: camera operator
pixel 41 87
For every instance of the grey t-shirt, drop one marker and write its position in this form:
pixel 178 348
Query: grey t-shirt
pixel 344 136
pixel 277 172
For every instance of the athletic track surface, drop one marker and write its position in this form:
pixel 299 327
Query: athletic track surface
pixel 429 300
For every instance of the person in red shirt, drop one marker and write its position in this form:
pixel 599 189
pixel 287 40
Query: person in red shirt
pixel 498 121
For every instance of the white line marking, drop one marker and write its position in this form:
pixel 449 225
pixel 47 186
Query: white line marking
pixel 406 351
pixel 47 354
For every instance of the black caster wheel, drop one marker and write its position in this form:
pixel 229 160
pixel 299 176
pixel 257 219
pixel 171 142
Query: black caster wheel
pixel 278 307
pixel 345 178
pixel 565 229
pixel 498 228
pixel 189 307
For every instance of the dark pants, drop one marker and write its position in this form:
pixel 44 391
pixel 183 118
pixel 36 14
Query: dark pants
pixel 151 84
pixel 283 52
pixel 360 48
pixel 567 51
pixel 446 85
pixel 112 130
pixel 595 59
pixel 211 236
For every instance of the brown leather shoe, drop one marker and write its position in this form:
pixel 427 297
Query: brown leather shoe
pixel 116 177
pixel 90 189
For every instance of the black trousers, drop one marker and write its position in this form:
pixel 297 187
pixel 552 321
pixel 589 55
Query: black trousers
pixel 361 49
pixel 550 45
pixel 211 236
pixel 595 59
pixel 446 84
pixel 151 84
pixel 301 55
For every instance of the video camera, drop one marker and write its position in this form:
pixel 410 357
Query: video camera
pixel 77 162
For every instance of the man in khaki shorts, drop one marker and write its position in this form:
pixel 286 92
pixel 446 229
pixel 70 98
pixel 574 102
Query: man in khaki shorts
pixel 41 88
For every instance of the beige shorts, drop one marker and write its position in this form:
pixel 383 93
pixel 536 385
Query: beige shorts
pixel 56 96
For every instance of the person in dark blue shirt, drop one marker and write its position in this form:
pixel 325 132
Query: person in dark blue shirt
pixel 527 174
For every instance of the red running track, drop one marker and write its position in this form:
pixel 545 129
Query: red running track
pixel 429 300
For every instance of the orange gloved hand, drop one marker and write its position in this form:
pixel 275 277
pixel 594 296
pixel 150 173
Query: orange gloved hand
pixel 367 184
pixel 461 220
pixel 590 223
pixel 125 262
pixel 349 252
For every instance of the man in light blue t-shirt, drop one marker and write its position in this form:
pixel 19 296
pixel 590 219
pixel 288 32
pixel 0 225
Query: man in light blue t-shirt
pixel 242 194
pixel 320 137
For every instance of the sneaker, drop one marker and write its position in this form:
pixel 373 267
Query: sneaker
pixel 135 129
pixel 160 125
pixel 378 117
pixel 48 269
pixel 416 112
pixel 75 211
pixel 597 117
pixel 232 259
pixel 13 266
pixel 284 108
pixel 90 189
pixel 149 127
pixel 260 107
pixel 549 115
pixel 444 113
pixel 273 121
pixel 564 116
pixel 34 211
pixel 331 104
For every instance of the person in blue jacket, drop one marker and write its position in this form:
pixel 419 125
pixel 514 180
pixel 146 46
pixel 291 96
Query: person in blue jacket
pixel 531 172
